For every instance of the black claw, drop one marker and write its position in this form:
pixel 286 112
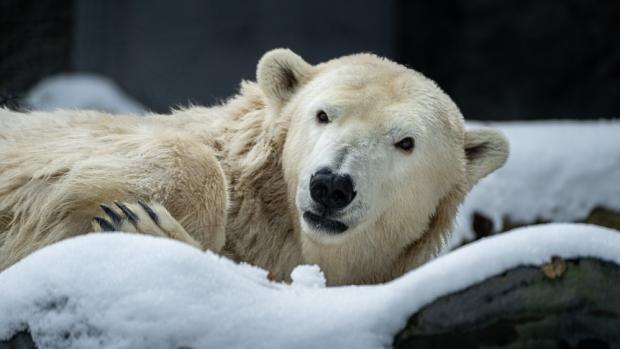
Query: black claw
pixel 149 211
pixel 128 213
pixel 110 212
pixel 105 225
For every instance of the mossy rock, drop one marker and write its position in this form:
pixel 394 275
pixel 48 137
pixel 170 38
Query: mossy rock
pixel 567 304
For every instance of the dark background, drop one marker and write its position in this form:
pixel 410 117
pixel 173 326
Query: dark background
pixel 499 60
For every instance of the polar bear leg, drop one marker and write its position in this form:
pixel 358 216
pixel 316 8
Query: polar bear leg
pixel 53 190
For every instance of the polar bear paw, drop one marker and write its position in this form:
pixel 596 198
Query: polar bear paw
pixel 142 218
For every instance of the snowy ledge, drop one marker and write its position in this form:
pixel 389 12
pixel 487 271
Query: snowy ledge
pixel 557 171
pixel 125 291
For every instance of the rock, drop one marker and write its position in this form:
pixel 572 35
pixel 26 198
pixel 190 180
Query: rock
pixel 604 217
pixel 483 226
pixel 578 307
pixel 599 216
pixel 21 340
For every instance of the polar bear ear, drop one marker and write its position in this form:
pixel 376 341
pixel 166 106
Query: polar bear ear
pixel 486 150
pixel 280 73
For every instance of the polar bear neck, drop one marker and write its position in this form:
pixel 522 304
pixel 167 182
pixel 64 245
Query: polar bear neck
pixel 259 229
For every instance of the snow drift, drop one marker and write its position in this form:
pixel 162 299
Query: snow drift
pixel 123 291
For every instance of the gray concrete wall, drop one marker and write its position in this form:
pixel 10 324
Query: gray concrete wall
pixel 173 53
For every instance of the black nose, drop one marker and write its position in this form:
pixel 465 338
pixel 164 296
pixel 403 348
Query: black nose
pixel 333 191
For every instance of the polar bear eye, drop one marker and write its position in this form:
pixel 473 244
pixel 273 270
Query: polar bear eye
pixel 321 117
pixel 406 144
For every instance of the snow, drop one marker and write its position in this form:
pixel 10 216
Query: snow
pixel 557 171
pixel 308 276
pixel 81 91
pixel 126 290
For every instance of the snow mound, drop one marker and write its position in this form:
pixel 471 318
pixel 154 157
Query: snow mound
pixel 308 276
pixel 126 291
pixel 556 172
pixel 81 91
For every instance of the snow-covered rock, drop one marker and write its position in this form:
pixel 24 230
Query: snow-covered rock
pixel 126 291
pixel 81 91
pixel 557 171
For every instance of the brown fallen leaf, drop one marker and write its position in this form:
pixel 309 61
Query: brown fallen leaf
pixel 555 268
pixel 271 276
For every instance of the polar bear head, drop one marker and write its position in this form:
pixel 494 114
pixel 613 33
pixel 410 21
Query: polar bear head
pixel 376 161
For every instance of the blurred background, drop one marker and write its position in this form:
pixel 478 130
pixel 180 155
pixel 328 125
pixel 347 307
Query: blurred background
pixel 499 60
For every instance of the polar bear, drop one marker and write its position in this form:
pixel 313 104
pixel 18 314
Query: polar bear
pixel 357 164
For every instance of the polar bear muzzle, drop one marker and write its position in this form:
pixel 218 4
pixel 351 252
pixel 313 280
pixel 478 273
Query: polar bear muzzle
pixel 330 193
